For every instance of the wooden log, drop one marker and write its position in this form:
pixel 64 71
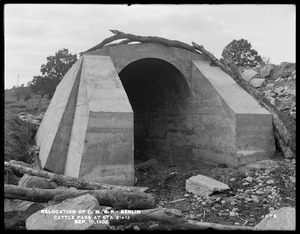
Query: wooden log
pixel 71 181
pixel 116 199
pixel 284 126
pixel 142 39
pixel 171 216
pixel 211 57
pixel 103 43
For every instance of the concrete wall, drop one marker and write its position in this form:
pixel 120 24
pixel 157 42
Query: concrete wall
pixel 92 124
pixel 197 122
pixel 154 101
pixel 51 136
pixel 244 130
pixel 159 92
pixel 107 154
pixel 124 55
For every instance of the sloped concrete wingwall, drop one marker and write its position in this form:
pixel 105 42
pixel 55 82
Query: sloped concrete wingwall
pixel 55 129
pixel 108 144
pixel 98 145
pixel 241 130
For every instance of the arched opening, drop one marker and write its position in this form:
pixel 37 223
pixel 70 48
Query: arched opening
pixel 158 94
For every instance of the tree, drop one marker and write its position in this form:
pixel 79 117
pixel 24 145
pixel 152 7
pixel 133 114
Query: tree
pixel 39 85
pixel 265 60
pixel 53 72
pixel 241 54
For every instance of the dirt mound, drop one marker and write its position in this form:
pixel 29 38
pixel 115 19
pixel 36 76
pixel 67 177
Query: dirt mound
pixel 18 138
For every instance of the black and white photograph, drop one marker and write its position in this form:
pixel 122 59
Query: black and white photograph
pixel 149 117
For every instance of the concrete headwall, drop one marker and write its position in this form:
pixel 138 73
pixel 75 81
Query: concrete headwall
pixel 199 122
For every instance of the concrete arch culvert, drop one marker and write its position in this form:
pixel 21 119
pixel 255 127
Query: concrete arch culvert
pixel 156 101
pixel 158 94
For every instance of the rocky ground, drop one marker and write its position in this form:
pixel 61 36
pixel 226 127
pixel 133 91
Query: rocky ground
pixel 277 82
pixel 254 191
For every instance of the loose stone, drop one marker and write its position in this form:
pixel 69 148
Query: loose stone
pixel 231 213
pixel 249 179
pixel 259 192
pixel 255 198
pixel 270 182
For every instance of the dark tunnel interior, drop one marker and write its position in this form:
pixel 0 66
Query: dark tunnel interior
pixel 158 94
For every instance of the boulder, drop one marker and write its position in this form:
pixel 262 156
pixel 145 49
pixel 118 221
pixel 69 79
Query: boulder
pixel 277 80
pixel 36 182
pixel 282 219
pixel 278 90
pixel 270 86
pixel 204 186
pixel 265 72
pixel 292 92
pixel 17 211
pixel 269 93
pixel 71 214
pixel 257 82
pixel 249 74
pixel 293 114
pixel 272 101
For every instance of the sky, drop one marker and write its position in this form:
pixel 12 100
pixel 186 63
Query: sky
pixel 32 32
